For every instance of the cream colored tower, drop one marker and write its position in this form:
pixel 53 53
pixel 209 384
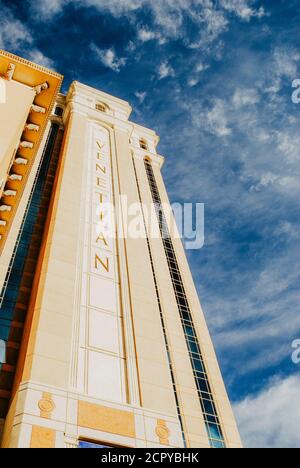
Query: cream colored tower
pixel 115 348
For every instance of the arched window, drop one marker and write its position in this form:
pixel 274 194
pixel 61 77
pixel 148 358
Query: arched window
pixel 143 144
pixel 100 106
pixel 58 111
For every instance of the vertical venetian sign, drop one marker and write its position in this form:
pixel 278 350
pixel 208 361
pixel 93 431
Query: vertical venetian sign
pixel 101 335
pixel 103 229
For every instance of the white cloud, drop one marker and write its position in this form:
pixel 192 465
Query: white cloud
pixel 38 57
pixel 165 70
pixel 12 32
pixel 288 145
pixel 193 82
pixel 168 15
pixel 271 282
pixel 195 79
pixel 50 8
pixel 283 66
pixel 131 47
pixel 217 120
pixel 271 418
pixel 115 7
pixel 286 62
pixel 211 24
pixel 266 180
pixel 245 97
pixel 213 120
pixel 146 35
pixel 141 96
pixel 15 37
pixel 286 229
pixel 201 67
pixel 109 58
pixel 261 322
pixel 242 9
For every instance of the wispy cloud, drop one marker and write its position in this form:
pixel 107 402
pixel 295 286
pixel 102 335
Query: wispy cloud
pixel 51 8
pixel 266 180
pixel 165 70
pixel 146 35
pixel 47 10
pixel 214 119
pixel 245 97
pixel 38 57
pixel 109 58
pixel 141 96
pixel 12 32
pixel 243 9
pixel 195 77
pixel 169 17
pixel 282 66
pixel 289 144
pixel 270 419
pixel 16 37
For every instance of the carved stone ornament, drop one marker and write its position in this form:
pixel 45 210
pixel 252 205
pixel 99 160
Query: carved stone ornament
pixel 46 405
pixel 10 72
pixel 41 87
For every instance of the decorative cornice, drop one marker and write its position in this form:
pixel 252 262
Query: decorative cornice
pixel 31 80
pixel 93 94
pixel 30 64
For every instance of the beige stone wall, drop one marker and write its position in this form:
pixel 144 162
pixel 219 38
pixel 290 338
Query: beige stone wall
pixel 94 311
pixel 154 375
pixel 190 407
pixel 49 347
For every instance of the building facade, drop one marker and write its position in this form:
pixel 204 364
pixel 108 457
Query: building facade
pixel 106 342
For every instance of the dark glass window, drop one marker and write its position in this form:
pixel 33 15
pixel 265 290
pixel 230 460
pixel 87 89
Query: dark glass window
pixel 58 111
pixel 90 445
pixel 162 318
pixel 143 144
pixel 15 295
pixel 204 390
pixel 203 386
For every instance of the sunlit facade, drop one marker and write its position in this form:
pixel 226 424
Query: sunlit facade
pixel 106 342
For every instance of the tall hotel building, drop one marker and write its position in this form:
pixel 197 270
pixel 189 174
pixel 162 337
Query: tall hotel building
pixel 106 342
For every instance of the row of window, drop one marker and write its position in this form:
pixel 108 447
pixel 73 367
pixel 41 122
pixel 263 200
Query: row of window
pixel 161 317
pixel 10 291
pixel 15 295
pixel 213 427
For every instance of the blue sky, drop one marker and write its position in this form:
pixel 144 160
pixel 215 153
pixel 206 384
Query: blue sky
pixel 214 79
